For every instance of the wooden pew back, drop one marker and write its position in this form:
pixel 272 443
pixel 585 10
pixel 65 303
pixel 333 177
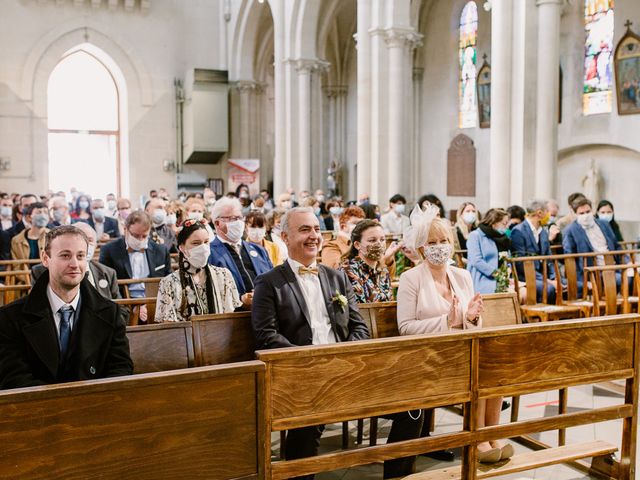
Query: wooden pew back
pixel 605 289
pixel 381 318
pixel 316 385
pixel 223 338
pixel 161 347
pixel 501 309
pixel 197 423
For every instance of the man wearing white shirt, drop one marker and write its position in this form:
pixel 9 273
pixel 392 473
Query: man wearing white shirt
pixel 64 330
pixel 395 222
pixel 303 303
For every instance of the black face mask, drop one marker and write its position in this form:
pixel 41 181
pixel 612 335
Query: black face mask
pixel 512 226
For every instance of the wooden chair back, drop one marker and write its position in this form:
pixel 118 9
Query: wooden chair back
pixel 150 286
pixel 195 423
pixel 605 289
pixel 381 318
pixel 161 347
pixel 501 309
pixel 460 258
pixel 9 293
pixel 133 304
pixel 223 338
pixel 526 266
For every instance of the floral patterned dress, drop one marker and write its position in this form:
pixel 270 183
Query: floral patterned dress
pixel 369 284
pixel 170 293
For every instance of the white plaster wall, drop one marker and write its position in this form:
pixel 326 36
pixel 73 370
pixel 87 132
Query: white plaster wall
pixel 618 168
pixel 161 43
pixel 440 103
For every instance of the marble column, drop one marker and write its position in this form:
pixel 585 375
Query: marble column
pixel 280 167
pixel 399 42
pixel 549 12
pixel 363 46
pixel 500 135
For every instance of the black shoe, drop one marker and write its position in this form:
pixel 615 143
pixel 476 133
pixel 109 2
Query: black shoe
pixel 505 405
pixel 442 455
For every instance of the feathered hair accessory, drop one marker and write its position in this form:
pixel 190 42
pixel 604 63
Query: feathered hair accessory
pixel 417 234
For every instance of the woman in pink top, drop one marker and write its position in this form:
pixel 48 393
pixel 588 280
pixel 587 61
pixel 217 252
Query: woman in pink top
pixel 436 296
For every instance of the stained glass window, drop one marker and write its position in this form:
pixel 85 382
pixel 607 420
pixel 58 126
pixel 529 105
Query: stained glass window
pixel 468 108
pixel 598 58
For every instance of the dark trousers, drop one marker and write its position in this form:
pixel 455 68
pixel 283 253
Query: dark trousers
pixel 551 292
pixel 304 442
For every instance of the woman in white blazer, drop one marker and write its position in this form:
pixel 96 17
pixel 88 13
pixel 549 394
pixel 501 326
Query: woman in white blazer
pixel 435 297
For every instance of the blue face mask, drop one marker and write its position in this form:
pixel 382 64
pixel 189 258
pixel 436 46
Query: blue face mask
pixel 507 232
pixel 503 231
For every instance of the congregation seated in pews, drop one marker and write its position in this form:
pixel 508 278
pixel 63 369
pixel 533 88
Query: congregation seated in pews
pixel 222 302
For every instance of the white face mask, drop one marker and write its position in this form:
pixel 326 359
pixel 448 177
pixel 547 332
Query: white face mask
pixel 159 216
pixel 91 250
pixel 256 234
pixel 438 254
pixel 5 212
pixel 586 220
pixel 469 217
pixel 171 219
pixel 235 230
pixel 399 209
pixel 198 256
pixel 111 205
pixel 99 214
pixel 607 217
pixel 195 216
pixel 135 244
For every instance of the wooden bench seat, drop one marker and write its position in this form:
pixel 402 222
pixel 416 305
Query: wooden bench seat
pixel 525 461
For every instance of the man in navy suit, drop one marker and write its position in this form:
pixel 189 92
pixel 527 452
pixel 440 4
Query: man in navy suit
pixel 530 238
pixel 588 234
pixel 106 227
pixel 137 256
pixel 245 260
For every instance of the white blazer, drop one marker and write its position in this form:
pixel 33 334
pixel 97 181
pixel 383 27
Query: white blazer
pixel 421 309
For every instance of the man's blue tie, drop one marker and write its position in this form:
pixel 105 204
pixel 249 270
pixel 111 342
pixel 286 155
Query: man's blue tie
pixel 65 329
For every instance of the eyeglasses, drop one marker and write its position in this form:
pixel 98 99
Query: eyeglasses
pixel 192 221
pixel 230 219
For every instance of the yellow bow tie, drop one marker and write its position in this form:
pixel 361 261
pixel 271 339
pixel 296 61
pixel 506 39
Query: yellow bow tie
pixel 311 270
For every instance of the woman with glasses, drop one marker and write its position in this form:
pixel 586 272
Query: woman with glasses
pixel 197 288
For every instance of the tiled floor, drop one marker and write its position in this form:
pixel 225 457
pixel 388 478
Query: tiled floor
pixel 531 406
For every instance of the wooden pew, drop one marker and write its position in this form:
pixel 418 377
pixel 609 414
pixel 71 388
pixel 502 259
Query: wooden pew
pixel 161 347
pixel 316 385
pixel 196 423
pixel 223 338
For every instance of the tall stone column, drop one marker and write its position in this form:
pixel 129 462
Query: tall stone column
pixel 363 46
pixel 304 68
pixel 399 42
pixel 500 135
pixel 416 132
pixel 549 12
pixel 281 175
pixel 245 91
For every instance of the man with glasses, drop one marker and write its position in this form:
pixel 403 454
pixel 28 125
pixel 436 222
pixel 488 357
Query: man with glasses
pixel 245 260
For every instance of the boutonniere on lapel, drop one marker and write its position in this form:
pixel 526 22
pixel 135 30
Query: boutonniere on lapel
pixel 341 300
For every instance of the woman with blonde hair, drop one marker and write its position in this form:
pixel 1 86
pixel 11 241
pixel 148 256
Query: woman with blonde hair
pixel 466 222
pixel 436 296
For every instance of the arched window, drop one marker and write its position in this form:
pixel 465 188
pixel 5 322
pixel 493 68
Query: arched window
pixel 598 59
pixel 84 127
pixel 467 53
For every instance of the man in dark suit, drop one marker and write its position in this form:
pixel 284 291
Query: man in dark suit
pixel 244 260
pixel 106 227
pixel 530 238
pixel 63 330
pixel 295 304
pixel 103 278
pixel 136 256
pixel 7 235
pixel 588 234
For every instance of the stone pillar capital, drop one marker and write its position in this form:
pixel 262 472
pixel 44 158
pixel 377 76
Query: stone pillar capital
pixel 310 65
pixel 559 3
pixel 401 37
